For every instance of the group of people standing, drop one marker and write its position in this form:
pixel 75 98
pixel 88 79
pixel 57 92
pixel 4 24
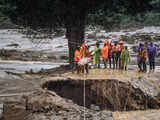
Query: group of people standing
pixel 116 53
pixel 146 51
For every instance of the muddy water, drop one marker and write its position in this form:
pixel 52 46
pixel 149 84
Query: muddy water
pixel 26 66
pixel 8 37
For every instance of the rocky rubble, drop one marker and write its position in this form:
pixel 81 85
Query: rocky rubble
pixel 49 106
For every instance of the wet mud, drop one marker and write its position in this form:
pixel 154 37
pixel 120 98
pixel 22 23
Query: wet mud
pixel 109 94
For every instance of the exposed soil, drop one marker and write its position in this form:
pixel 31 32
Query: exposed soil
pixel 15 111
pixel 101 94
pixel 108 94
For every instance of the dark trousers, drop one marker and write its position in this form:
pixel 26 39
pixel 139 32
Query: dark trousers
pixel 105 62
pixel 85 67
pixel 115 60
pixel 142 65
pixel 152 65
pixel 76 68
pixel 110 61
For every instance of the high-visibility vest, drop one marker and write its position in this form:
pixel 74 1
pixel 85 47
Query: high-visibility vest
pixel 144 54
pixel 77 56
pixel 88 53
pixel 104 52
pixel 116 48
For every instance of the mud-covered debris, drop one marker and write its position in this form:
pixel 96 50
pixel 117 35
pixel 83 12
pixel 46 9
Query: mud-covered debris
pixel 43 102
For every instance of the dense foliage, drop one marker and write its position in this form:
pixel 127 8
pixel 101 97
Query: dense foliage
pixel 108 13
pixel 122 12
pixel 4 7
pixel 74 15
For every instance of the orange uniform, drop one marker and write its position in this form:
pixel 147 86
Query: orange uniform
pixel 144 53
pixel 116 48
pixel 84 51
pixel 104 52
pixel 77 56
pixel 88 53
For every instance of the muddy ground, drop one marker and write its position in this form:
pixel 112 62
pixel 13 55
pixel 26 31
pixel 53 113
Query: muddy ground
pixel 32 95
pixel 24 98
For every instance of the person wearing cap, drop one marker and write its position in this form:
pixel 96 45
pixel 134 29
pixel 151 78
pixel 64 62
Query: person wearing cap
pixel 125 58
pixel 104 53
pixel 77 58
pixel 97 54
pixel 121 43
pixel 116 51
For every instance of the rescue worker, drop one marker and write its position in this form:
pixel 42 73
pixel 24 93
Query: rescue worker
pixel 77 57
pixel 121 48
pixel 88 55
pixel 104 53
pixel 116 54
pixel 143 58
pixel 125 58
pixel 85 58
pixel 97 54
pixel 152 53
pixel 82 49
pixel 110 54
pixel 139 56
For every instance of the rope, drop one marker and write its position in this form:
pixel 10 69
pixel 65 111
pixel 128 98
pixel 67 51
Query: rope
pixel 84 97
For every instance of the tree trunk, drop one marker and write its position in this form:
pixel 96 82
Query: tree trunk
pixel 75 35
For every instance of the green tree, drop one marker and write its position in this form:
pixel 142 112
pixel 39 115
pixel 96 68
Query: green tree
pixel 71 14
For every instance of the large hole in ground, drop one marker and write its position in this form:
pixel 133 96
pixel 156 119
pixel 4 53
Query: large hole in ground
pixel 107 94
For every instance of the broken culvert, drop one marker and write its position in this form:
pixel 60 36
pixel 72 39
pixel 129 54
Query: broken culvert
pixel 107 94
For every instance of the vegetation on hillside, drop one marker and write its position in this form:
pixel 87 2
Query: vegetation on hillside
pixel 74 15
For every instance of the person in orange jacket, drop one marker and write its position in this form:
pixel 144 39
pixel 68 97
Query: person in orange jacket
pixel 143 58
pixel 110 54
pixel 121 43
pixel 88 55
pixel 88 52
pixel 104 52
pixel 116 54
pixel 85 58
pixel 77 58
pixel 82 50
